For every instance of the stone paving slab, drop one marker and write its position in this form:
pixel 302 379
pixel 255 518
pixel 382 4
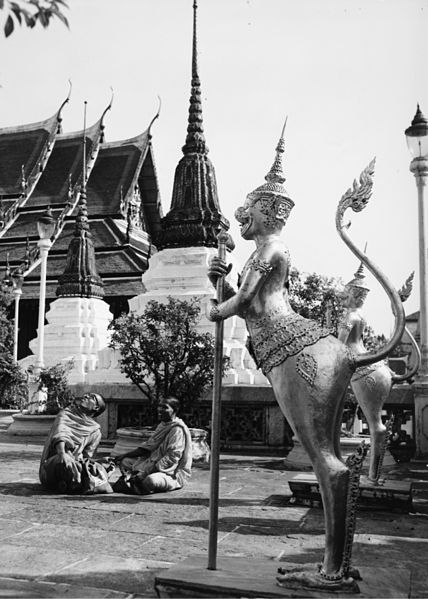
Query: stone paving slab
pixel 10 587
pixel 116 543
pixel 21 561
pixel 129 575
pixel 77 539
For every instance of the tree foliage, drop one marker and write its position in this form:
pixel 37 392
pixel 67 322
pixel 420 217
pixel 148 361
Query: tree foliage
pixel 55 380
pixel 162 351
pixel 13 382
pixel 31 12
pixel 317 297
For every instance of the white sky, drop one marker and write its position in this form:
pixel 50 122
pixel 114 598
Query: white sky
pixel 348 73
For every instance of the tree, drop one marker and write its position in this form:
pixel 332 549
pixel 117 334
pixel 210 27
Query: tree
pixel 317 297
pixel 13 382
pixel 162 351
pixel 31 12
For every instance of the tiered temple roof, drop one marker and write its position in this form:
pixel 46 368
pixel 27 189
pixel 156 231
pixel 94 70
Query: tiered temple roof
pixel 42 167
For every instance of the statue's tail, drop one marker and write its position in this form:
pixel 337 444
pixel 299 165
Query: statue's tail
pixel 401 378
pixel 357 198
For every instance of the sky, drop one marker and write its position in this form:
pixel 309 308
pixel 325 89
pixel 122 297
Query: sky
pixel 347 73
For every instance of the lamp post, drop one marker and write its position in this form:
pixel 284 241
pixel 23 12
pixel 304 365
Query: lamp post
pixel 18 280
pixel 417 141
pixel 45 228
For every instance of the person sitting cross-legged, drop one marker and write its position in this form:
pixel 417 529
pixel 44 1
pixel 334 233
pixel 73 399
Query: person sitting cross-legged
pixel 163 462
pixel 67 464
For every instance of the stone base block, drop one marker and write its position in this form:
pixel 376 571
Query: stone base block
pixel 246 577
pixel 31 425
pixel 298 459
pixel 129 438
pixel 388 494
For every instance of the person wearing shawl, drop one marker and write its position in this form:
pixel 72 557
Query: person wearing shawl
pixel 66 465
pixel 163 462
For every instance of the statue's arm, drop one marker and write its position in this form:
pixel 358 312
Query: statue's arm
pixel 257 270
pixel 344 330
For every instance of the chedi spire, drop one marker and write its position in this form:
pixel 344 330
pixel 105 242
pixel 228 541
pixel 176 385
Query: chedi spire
pixel 80 277
pixel 195 216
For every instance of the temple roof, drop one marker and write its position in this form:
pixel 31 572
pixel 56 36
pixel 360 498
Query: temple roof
pixel 23 151
pixel 123 206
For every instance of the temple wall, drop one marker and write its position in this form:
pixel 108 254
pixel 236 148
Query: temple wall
pixel 250 415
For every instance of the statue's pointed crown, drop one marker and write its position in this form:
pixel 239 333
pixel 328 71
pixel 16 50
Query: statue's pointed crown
pixel 359 279
pixel 274 186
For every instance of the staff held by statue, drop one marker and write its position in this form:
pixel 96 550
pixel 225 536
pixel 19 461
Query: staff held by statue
pixel 222 238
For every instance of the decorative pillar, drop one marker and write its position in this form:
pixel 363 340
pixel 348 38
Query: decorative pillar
pixel 18 279
pixel 45 227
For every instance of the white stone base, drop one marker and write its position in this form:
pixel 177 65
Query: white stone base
pixel 77 329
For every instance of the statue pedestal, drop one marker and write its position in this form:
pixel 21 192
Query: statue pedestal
pixel 421 416
pixel 298 459
pixel 391 494
pixel 246 577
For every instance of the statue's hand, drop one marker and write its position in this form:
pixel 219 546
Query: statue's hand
pixel 213 313
pixel 217 268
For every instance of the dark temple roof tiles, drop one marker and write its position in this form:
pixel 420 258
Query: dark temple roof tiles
pixel 66 160
pixel 115 172
pixel 24 146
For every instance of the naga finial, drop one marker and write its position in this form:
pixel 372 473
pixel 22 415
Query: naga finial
pixel 406 289
pixel 357 196
pixel 155 117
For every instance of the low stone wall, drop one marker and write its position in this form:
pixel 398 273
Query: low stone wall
pixel 251 417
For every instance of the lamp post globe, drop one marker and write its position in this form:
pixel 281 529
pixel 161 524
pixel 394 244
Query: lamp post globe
pixel 417 136
pixel 46 224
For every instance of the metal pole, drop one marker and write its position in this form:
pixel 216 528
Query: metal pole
pixel 216 418
pixel 420 170
pixel 17 293
pixel 44 245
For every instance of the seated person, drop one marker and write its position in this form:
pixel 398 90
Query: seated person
pixel 163 462
pixel 66 465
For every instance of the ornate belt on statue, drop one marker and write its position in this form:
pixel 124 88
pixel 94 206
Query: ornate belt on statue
pixel 281 336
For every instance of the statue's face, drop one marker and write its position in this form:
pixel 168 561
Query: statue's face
pixel 257 217
pixel 354 297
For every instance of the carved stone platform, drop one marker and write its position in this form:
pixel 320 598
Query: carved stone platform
pixel 249 577
pixel 391 494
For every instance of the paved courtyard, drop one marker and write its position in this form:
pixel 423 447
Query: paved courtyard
pixel 113 545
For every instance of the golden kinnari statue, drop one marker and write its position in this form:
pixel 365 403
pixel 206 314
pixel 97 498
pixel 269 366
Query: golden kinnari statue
pixel 371 384
pixel 309 369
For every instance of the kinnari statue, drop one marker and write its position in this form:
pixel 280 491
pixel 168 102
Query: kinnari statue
pixel 372 384
pixel 309 369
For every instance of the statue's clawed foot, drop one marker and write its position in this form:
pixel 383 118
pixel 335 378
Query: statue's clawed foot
pixel 309 577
